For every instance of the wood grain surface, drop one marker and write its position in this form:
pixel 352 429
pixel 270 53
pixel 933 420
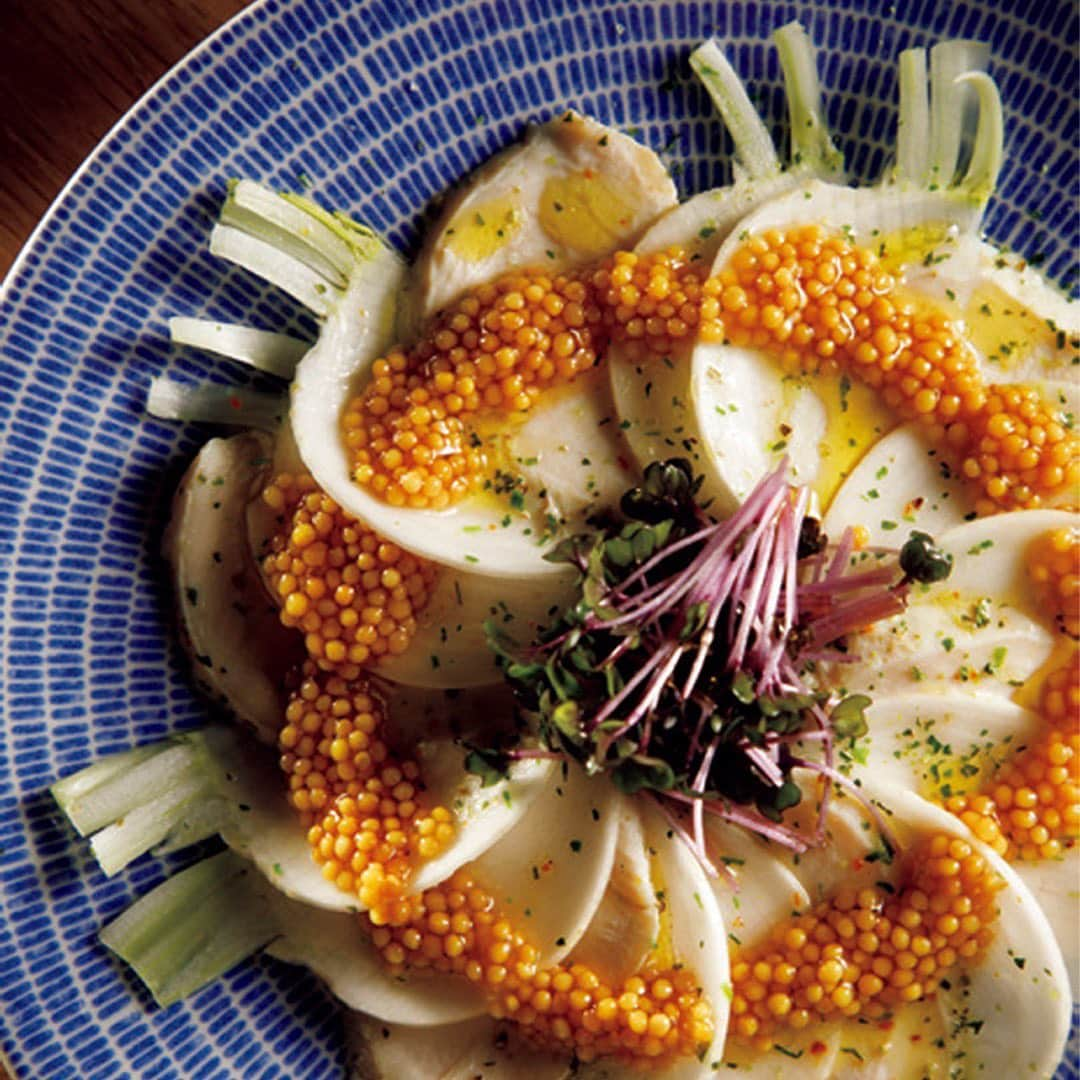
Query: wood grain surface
pixel 69 69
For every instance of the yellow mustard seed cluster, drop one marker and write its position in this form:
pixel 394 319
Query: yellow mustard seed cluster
pixel 979 814
pixel 457 927
pixel 1054 567
pixel 815 300
pixel 657 300
pixel 1017 452
pixel 1037 791
pixel 864 952
pixel 368 829
pixel 496 350
pixel 354 596
pixel 818 302
pixel 809 298
pixel 361 804
pixel 1031 807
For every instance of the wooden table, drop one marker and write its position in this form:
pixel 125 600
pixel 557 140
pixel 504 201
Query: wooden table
pixel 69 69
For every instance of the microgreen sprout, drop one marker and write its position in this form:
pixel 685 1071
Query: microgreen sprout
pixel 684 668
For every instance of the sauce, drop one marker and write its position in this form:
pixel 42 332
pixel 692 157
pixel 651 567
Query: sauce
pixel 477 233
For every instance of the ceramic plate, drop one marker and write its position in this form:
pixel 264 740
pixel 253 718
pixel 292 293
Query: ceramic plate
pixel 374 107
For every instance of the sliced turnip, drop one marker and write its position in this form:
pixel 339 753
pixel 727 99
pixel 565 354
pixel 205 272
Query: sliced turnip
pixel 482 815
pixel 693 936
pixel 656 415
pixel 966 642
pixel 572 455
pixel 417 713
pixel 356 284
pixel 1055 883
pixel 783 883
pixel 749 418
pixel 990 556
pixel 772 409
pixel 548 874
pixel 1018 989
pixel 843 851
pixel 218 529
pixel 229 625
pixel 758 889
pixel 985 629
pixel 1022 330
pixel 942 744
pixel 951 744
pixel 655 400
pixel 479 536
pixel 480 1049
pixel 900 484
pixel 738 449
pixel 338 949
pixel 450 649
pixel 704 221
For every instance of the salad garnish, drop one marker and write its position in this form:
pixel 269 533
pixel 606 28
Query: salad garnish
pixel 685 666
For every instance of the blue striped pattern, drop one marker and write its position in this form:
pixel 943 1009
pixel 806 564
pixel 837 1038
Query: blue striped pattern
pixel 374 107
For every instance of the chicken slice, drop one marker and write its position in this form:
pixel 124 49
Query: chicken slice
pixel 573 191
pixel 626 925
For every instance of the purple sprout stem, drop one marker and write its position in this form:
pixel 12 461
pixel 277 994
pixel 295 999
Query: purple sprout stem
pixel 704 645
pixel 740 570
pixel 655 690
pixel 699 581
pixel 651 698
pixel 647 567
pixel 613 657
pixel 699 850
pixel 749 565
pixel 763 541
pixel 850 582
pixel 748 819
pixel 769 641
pixel 541 755
pixel 704 712
pixel 856 614
pixel 697 811
pixel 771 668
pixel 767 768
pixel 838 778
pixel 800 736
pixel 613 703
pixel 842 555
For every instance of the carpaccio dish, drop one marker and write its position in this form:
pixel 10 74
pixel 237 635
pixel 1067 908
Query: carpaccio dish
pixel 652 626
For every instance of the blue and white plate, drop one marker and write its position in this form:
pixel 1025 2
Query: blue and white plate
pixel 374 107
